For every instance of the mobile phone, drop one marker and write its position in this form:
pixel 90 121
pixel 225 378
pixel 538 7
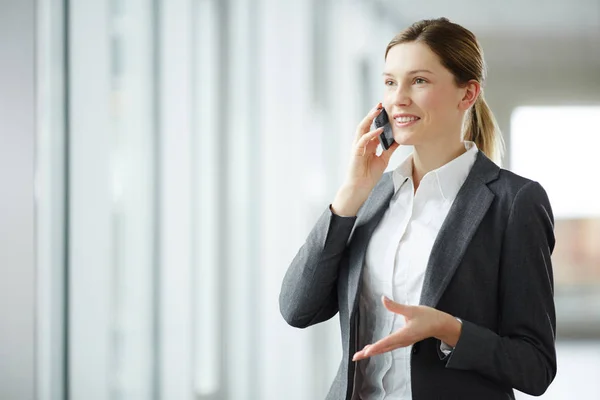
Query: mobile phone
pixel 386 138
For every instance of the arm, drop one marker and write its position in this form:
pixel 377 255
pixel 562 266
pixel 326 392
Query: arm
pixel 448 335
pixel 309 289
pixel 522 355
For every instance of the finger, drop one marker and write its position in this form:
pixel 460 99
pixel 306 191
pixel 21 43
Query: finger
pixel 359 355
pixel 397 308
pixel 394 341
pixel 367 146
pixel 375 351
pixel 385 344
pixel 365 124
pixel 368 137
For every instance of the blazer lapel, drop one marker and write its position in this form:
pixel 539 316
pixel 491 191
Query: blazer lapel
pixel 368 219
pixel 470 206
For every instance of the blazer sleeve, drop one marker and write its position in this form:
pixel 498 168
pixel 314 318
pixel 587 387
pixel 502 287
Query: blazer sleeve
pixel 522 354
pixel 309 289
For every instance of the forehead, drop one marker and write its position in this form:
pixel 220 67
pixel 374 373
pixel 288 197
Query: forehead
pixel 412 56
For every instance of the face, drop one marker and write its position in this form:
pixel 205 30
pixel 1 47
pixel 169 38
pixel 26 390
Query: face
pixel 422 100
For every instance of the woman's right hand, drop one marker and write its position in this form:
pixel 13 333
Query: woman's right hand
pixel 365 169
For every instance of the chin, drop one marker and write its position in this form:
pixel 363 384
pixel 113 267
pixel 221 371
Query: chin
pixel 406 138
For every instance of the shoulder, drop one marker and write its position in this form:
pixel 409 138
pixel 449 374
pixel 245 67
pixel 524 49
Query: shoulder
pixel 521 196
pixel 506 185
pixel 511 186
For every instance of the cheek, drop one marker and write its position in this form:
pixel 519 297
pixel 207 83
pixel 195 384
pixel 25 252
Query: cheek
pixel 436 103
pixel 388 99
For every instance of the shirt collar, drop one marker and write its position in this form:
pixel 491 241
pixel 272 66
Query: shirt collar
pixel 450 177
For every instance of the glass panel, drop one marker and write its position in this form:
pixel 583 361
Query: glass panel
pixel 112 207
pixel 50 201
pixel 207 323
pixel 132 169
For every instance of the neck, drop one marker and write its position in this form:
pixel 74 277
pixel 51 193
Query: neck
pixel 428 157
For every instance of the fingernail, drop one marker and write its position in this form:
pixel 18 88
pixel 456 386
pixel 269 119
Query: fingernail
pixel 379 106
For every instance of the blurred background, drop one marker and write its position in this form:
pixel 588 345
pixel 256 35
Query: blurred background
pixel 162 162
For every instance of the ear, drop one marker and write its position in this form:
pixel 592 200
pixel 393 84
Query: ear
pixel 470 93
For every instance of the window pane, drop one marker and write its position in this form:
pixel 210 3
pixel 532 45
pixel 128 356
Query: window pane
pixel 558 147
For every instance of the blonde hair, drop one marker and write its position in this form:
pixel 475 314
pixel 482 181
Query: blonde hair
pixel 460 53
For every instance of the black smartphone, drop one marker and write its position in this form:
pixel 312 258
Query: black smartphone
pixel 386 138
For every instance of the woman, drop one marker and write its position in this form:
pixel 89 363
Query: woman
pixel 440 269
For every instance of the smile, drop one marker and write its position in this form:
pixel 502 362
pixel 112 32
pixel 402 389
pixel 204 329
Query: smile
pixel 406 120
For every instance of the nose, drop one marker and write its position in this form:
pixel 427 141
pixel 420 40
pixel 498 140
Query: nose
pixel 402 96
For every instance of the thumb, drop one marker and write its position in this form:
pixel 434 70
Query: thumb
pixel 395 307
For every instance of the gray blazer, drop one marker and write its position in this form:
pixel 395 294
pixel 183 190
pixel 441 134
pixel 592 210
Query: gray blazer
pixel 490 266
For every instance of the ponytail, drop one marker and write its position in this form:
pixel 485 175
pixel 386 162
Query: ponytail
pixel 483 130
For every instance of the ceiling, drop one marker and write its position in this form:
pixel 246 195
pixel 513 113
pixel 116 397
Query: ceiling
pixel 515 33
pixel 558 17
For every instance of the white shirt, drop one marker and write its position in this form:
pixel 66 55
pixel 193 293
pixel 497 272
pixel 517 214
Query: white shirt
pixel 395 264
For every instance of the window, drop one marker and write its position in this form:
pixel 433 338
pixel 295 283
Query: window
pixel 559 148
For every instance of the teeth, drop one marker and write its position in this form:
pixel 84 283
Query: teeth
pixel 406 119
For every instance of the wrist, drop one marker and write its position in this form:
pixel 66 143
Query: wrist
pixel 449 330
pixel 348 201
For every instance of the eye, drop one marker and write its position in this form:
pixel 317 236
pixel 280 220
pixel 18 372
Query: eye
pixel 419 81
pixel 389 83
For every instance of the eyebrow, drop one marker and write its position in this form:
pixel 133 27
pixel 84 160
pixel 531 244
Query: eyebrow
pixel 416 71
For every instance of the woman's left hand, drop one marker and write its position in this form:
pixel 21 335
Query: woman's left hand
pixel 422 322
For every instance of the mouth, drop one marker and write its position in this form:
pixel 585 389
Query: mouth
pixel 403 120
